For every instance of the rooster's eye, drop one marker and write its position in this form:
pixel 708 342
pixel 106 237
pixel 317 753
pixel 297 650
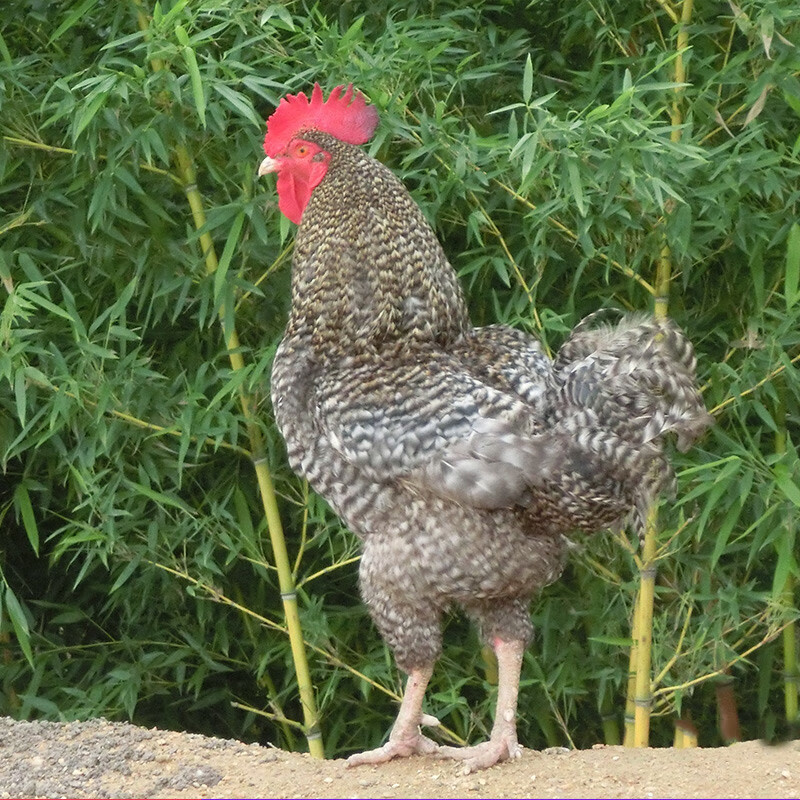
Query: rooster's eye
pixel 302 150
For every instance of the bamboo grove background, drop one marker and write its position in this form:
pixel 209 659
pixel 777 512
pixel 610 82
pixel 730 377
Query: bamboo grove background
pixel 158 560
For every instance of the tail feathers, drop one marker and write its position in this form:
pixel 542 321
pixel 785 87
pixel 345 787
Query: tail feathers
pixel 608 476
pixel 638 376
pixel 624 388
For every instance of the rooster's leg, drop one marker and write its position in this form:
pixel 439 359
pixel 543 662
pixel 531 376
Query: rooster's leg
pixel 502 743
pixel 405 738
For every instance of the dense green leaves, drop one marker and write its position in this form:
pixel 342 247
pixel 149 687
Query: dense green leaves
pixel 136 577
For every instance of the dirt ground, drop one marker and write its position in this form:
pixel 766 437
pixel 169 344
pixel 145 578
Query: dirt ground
pixel 104 759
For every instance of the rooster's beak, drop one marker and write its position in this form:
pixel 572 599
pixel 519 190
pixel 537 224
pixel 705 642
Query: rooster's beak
pixel 268 165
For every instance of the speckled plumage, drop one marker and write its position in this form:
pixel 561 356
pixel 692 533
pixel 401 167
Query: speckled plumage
pixel 460 456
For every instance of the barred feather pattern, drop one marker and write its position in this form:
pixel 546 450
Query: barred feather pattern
pixel 460 456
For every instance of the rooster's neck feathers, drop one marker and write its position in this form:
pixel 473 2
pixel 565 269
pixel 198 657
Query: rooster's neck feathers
pixel 368 270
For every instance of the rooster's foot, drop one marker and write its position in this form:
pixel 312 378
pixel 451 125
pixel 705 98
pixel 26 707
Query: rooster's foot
pixel 482 756
pixel 397 747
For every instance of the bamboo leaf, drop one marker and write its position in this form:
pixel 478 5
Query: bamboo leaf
pixel 181 35
pixel 194 73
pixel 574 176
pixel 740 18
pixel 74 16
pixel 227 254
pixel 174 12
pixel 541 101
pixel 88 114
pixel 785 483
pixel 116 309
pixel 160 497
pixel 126 573
pixel 279 10
pixel 758 106
pixel 787 561
pixel 723 533
pixel 4 52
pixel 20 396
pixel 239 103
pixel 46 304
pixel 22 500
pixel 627 82
pixel 527 80
pixel 19 622
pixel 766 31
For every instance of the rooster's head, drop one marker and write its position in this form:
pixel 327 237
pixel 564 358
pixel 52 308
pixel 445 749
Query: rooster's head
pixel 302 164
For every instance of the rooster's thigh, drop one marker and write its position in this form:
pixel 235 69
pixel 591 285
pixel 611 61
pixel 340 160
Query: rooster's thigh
pixel 507 619
pixel 397 593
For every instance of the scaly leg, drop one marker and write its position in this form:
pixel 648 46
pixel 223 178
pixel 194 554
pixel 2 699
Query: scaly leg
pixel 502 743
pixel 405 738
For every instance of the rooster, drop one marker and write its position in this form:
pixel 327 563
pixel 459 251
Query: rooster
pixel 460 456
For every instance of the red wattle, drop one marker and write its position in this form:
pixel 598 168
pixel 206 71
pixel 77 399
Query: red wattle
pixel 296 181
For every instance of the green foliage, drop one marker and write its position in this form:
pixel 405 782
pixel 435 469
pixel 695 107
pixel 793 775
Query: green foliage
pixel 136 578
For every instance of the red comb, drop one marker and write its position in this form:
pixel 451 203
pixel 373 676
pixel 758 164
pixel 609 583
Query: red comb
pixel 345 116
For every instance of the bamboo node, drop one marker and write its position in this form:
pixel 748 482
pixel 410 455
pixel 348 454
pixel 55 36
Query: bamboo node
pixel 648 573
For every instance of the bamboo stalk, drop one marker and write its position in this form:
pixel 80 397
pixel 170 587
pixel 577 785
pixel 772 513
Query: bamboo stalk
pixel 685 734
pixel 286 725
pixel 791 673
pixel 677 739
pixel 639 698
pixel 188 178
pixel 630 695
pixel 791 676
pixel 608 717
pixel 30 143
pixel 642 623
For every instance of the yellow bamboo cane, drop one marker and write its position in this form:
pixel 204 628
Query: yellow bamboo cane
pixel 643 627
pixel 791 676
pixel 639 698
pixel 630 696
